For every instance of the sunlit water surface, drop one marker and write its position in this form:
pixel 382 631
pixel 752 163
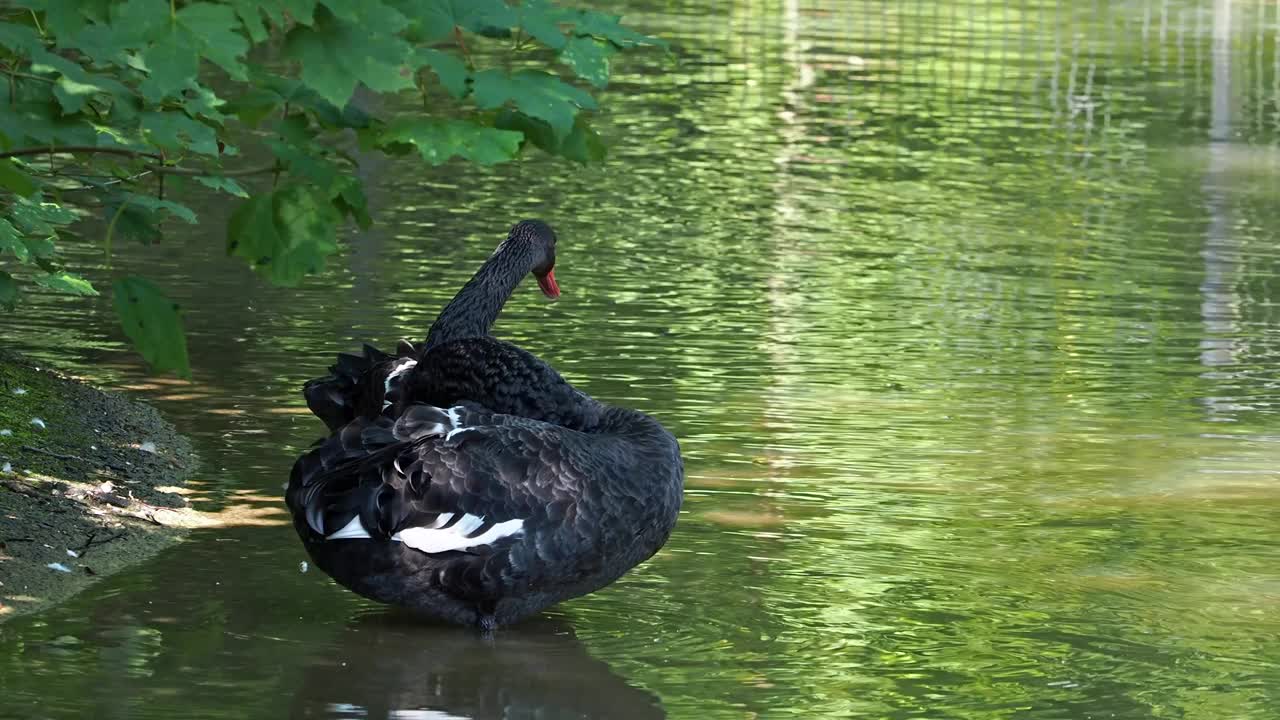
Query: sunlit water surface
pixel 964 313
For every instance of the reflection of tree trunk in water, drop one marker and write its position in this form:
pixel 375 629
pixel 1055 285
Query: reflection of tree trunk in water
pixel 1219 306
pixel 782 285
pixel 787 212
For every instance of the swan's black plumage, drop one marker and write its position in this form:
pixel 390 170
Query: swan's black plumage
pixel 354 386
pixel 468 480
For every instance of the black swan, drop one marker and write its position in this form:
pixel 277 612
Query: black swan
pixel 465 479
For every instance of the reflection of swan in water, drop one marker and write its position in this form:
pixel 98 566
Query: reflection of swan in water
pixel 389 666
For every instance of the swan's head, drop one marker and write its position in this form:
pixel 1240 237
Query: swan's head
pixel 540 241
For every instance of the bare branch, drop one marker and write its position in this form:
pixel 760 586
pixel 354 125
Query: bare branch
pixel 79 149
pixel 200 172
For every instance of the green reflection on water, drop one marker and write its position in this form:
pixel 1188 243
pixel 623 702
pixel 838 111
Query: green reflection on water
pixel 966 328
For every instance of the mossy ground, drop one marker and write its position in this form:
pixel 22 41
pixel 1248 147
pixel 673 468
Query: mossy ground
pixel 97 479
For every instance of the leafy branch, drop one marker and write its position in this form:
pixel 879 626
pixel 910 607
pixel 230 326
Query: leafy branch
pixel 110 93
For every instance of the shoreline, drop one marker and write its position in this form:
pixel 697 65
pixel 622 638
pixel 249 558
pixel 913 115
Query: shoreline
pixel 90 483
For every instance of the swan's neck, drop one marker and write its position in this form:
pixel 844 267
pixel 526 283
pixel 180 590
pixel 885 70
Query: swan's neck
pixel 476 306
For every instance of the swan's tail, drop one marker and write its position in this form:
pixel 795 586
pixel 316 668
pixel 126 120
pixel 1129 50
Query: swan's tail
pixel 343 475
pixel 356 385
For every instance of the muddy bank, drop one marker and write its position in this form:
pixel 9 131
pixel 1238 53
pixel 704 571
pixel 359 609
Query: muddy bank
pixel 90 482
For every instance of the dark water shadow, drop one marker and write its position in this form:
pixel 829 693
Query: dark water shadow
pixel 391 665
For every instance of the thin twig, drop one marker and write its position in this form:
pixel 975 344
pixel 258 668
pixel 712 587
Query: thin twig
pixel 170 170
pixel 111 231
pixel 457 34
pixel 83 149
pixel 200 172
pixel 90 544
pixel 97 186
pixel 29 76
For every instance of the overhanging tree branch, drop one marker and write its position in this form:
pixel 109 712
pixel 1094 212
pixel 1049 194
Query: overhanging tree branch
pixel 153 167
pixel 201 172
pixel 79 149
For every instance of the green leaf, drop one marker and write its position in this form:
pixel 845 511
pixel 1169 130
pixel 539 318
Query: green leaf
pixel 251 231
pixel 387 18
pixel 296 128
pixel 65 282
pixel 541 20
pixel 13 179
pixel 439 140
pixel 589 58
pixel 285 235
pixel 76 85
pixel 173 48
pixel 8 290
pixel 213 27
pixel 12 240
pixel 132 222
pixel 155 205
pixel 309 160
pixel 537 94
pixel 282 11
pixel 134 22
pixel 102 43
pixel 606 26
pixel 175 131
pixel 276 90
pixel 72 95
pixel 250 14
pixel 583 144
pixel 336 55
pixel 20 39
pixel 433 20
pixel 154 323
pixel 41 123
pixel 64 18
pixel 254 105
pixel 201 103
pixel 172 64
pixel 39 218
pixel 451 71
pixel 225 184
pixel 40 248
pixel 353 203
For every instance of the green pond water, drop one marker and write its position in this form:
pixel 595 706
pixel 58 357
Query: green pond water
pixel 965 314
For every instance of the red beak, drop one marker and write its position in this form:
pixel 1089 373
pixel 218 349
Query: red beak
pixel 548 284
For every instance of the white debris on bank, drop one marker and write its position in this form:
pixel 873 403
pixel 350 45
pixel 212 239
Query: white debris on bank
pixel 59 567
pixel 148 446
pixel 72 553
pixel 38 423
pixel 303 566
pixel 19 391
pixel 6 432
pixel 7 467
